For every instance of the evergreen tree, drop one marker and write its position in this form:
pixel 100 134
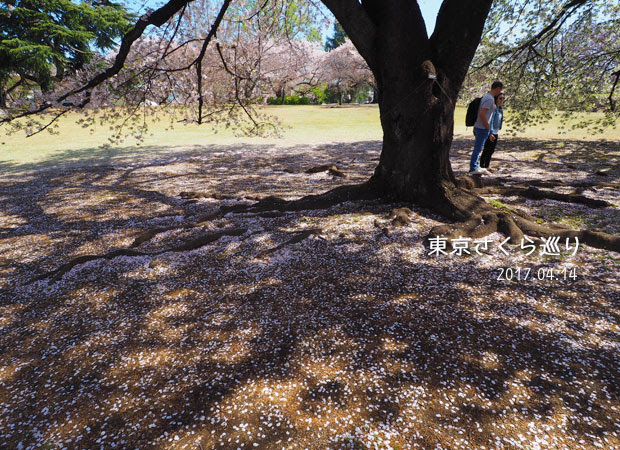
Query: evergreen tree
pixel 42 41
pixel 337 38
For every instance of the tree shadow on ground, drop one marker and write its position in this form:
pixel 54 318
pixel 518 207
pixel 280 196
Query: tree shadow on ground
pixel 323 342
pixel 312 331
pixel 590 168
pixel 554 156
pixel 124 196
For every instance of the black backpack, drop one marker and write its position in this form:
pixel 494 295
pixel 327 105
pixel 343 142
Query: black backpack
pixel 472 112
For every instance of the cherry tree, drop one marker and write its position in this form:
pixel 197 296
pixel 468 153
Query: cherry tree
pixel 344 68
pixel 289 64
pixel 418 79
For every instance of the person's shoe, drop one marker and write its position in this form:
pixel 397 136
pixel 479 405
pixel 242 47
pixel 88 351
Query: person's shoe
pixel 478 171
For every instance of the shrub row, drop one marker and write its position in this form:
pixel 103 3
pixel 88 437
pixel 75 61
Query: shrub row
pixel 289 100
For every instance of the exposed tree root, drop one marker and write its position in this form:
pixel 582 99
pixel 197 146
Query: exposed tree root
pixel 515 225
pixel 479 221
pixel 299 236
pixel 537 194
pixel 331 169
pixel 201 241
pixel 400 217
pixel 476 227
pixel 477 181
pixel 57 274
pixel 266 207
pixel 507 188
pixel 474 216
pixel 188 245
pixel 193 195
pixel 269 207
pixel 469 182
pixel 508 227
pixel 553 183
pixel 458 204
pixel 330 198
pixel 592 238
pixel 150 234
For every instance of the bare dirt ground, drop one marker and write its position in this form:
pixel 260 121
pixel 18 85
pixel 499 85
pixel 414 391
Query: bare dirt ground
pixel 311 329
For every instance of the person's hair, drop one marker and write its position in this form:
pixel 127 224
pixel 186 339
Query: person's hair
pixel 497 96
pixel 497 84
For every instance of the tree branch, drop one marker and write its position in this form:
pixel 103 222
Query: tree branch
pixel 457 35
pixel 226 68
pixel 612 103
pixel 16 85
pixel 358 25
pixel 256 13
pixel 156 18
pixel 203 51
pixel 567 10
pixel 58 116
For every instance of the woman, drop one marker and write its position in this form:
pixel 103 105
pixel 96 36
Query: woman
pixel 497 118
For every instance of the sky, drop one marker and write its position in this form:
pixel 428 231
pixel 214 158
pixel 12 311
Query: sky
pixel 429 11
pixel 429 8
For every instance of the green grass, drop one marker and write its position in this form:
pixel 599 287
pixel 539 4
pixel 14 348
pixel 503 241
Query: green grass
pixel 499 204
pixel 301 125
pixel 566 217
pixel 578 222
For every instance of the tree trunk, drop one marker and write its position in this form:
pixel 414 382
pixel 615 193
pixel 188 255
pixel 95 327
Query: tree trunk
pixel 418 79
pixel 283 94
pixel 3 91
pixel 417 117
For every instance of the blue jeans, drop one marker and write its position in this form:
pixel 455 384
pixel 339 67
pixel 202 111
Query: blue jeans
pixel 481 134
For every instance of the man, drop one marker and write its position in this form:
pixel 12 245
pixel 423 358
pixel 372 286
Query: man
pixel 482 128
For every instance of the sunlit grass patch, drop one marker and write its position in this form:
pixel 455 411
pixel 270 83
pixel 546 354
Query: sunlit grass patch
pixel 300 125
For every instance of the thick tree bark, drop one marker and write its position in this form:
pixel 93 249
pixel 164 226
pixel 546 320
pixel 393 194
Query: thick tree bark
pixel 417 120
pixel 417 117
pixel 418 80
pixel 3 91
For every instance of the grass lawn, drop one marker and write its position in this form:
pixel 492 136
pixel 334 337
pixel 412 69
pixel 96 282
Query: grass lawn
pixel 300 125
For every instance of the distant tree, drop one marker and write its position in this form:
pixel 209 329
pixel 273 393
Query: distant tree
pixel 291 64
pixel 43 41
pixel 344 70
pixel 338 38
